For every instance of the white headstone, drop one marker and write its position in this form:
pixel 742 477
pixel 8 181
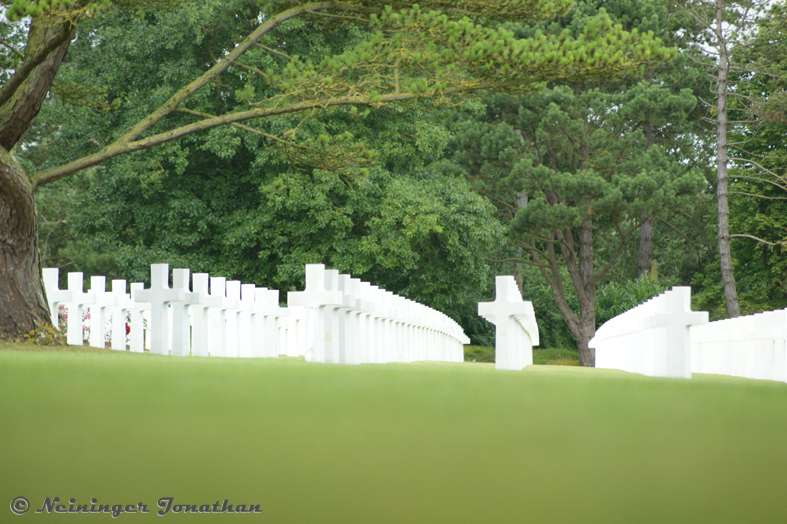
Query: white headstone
pixel 159 296
pixel 136 341
pixel 121 304
pixel 321 303
pixel 516 330
pixel 54 295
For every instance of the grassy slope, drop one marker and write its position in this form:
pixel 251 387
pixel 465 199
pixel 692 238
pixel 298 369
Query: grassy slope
pixel 395 443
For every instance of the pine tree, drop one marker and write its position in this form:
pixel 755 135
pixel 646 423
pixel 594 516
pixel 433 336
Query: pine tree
pixel 439 49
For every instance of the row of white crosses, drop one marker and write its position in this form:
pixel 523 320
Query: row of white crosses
pixel 651 339
pixel 516 330
pixel 340 319
pixel 754 346
pixel 231 319
pixel 336 319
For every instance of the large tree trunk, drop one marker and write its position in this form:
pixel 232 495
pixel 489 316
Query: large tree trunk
pixel 645 260
pixel 23 306
pixel 586 296
pixel 725 255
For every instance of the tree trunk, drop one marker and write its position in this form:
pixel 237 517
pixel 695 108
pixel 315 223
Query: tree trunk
pixel 645 262
pixel 521 201
pixel 22 97
pixel 586 331
pixel 23 306
pixel 24 312
pixel 725 255
pixel 587 297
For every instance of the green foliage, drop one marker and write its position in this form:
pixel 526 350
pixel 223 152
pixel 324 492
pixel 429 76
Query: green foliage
pixel 348 189
pixel 758 172
pixel 415 52
pixel 480 353
pixel 614 298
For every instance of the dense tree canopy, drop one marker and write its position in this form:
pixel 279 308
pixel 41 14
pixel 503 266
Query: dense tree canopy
pixel 422 147
pixel 245 71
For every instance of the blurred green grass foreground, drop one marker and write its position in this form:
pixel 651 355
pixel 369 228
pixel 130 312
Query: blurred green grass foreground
pixel 394 443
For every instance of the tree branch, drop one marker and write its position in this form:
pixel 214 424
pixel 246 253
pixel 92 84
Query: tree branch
pixel 28 66
pixel 782 243
pixel 118 148
pixel 186 91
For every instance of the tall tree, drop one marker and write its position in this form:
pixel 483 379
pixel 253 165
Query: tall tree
pixel 591 179
pixel 724 29
pixel 409 52
pixel 758 172
pixel 576 169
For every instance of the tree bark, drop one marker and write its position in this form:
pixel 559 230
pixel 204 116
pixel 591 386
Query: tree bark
pixel 645 262
pixel 587 297
pixel 26 91
pixel 23 305
pixel 24 312
pixel 725 255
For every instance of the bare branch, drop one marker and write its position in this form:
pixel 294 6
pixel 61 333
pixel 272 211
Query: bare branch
pixel 756 196
pixel 772 173
pixel 780 243
pixel 516 260
pixel 675 229
pixel 271 50
pixel 13 50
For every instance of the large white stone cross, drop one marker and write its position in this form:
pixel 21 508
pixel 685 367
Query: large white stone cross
pixel 323 301
pixel 675 315
pixel 159 296
pixel 516 330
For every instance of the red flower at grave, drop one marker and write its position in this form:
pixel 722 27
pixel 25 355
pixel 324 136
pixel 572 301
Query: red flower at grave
pixel 128 329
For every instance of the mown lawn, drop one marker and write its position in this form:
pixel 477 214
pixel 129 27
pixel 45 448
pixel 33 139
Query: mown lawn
pixel 431 443
pixel 541 356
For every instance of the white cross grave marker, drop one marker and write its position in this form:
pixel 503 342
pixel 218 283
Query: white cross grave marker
pixel 74 308
pixel 98 309
pixel 136 340
pixel 181 332
pixel 121 304
pixel 322 301
pixel 159 296
pixel 513 346
pixel 54 295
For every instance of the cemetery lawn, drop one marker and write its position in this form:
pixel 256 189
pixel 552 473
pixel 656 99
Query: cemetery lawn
pixel 541 356
pixel 396 443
